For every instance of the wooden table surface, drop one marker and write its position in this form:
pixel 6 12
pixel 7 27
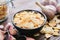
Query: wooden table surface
pixel 26 4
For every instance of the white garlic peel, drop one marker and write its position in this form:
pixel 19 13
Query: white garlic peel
pixel 1 26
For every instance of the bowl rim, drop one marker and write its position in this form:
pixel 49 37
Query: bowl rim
pixel 34 11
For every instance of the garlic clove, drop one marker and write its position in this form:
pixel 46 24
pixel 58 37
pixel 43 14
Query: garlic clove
pixel 47 11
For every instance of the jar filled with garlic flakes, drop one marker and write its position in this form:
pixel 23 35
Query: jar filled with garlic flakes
pixel 3 10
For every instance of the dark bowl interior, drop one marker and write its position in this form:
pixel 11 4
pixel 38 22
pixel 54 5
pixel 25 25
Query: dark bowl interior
pixel 30 32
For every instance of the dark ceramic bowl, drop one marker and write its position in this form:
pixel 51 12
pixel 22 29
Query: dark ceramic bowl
pixel 30 32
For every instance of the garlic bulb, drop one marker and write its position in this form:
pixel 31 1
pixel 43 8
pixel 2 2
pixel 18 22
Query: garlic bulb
pixel 47 10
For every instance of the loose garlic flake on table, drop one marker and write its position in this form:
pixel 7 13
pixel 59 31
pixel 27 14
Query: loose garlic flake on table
pixel 56 34
pixel 48 35
pixel 47 30
pixel 52 23
pixel 57 27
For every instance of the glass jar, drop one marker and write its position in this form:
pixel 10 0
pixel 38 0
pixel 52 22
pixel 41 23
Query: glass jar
pixel 3 10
